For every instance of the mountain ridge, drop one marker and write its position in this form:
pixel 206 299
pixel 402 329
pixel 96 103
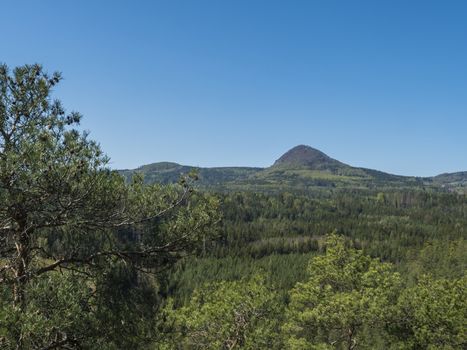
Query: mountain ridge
pixel 300 168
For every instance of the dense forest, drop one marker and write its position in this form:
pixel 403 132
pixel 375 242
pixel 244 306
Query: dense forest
pixel 308 254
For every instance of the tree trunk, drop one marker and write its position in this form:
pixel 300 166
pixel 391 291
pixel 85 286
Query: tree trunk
pixel 351 343
pixel 21 265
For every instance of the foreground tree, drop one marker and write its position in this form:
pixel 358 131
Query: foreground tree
pixel 345 298
pixel 432 315
pixel 226 315
pixel 65 216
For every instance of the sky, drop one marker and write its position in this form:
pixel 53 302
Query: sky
pixel 376 84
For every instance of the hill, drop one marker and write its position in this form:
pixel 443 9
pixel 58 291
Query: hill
pixel 301 169
pixel 452 181
pixel 307 157
pixel 167 172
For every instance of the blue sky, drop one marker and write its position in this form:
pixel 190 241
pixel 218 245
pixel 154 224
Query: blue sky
pixel 378 84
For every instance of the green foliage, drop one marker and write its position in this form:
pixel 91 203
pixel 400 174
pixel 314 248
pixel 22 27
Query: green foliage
pixel 58 311
pixel 256 224
pixel 346 294
pixel 271 233
pixel 124 305
pixel 432 315
pixel 281 272
pixel 439 258
pixel 62 209
pixel 226 315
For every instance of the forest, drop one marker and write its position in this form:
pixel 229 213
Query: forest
pixel 304 255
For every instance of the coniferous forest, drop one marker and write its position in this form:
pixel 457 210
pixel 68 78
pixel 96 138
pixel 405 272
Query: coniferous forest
pixel 309 253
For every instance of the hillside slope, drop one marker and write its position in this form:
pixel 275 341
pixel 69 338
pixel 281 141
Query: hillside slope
pixel 302 168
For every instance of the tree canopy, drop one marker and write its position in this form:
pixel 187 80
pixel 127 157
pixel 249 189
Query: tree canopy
pixel 346 295
pixel 241 314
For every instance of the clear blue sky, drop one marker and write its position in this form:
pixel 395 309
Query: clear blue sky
pixel 378 84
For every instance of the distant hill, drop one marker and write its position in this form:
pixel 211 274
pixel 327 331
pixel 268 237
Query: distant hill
pixel 459 178
pixel 302 168
pixel 306 157
pixel 167 172
pixel 452 181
